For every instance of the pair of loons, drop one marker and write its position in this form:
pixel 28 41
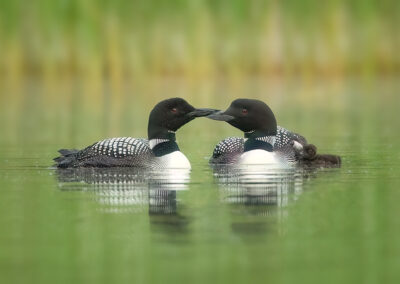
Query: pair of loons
pixel 264 141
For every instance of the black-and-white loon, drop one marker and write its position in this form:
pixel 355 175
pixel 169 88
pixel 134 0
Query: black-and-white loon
pixel 264 141
pixel 159 151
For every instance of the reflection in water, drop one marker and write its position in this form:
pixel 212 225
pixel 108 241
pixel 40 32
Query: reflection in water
pixel 121 190
pixel 163 212
pixel 255 191
pixel 256 196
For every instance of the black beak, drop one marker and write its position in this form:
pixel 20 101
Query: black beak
pixel 199 112
pixel 220 115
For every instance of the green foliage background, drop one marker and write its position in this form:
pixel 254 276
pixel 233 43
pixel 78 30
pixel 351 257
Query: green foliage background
pixel 127 40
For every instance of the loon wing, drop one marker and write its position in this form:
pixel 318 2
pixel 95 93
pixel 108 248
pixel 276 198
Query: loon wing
pixel 285 137
pixel 227 150
pixel 112 152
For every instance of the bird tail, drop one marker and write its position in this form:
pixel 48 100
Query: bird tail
pixel 67 158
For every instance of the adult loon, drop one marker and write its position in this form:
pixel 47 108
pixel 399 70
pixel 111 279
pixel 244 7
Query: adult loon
pixel 159 151
pixel 264 141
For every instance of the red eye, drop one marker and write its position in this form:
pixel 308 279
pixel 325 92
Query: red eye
pixel 174 110
pixel 244 111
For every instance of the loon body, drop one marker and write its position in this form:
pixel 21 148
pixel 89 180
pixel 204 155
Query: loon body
pixel 264 141
pixel 230 149
pixel 159 151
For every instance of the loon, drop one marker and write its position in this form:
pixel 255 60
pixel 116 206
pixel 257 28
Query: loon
pixel 160 151
pixel 264 141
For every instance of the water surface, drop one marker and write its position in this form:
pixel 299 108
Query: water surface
pixel 331 225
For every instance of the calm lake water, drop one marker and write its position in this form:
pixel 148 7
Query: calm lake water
pixel 325 226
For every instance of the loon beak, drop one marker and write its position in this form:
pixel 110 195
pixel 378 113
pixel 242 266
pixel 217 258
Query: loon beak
pixel 199 112
pixel 220 115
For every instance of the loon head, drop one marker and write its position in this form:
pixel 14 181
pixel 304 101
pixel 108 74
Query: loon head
pixel 250 116
pixel 169 115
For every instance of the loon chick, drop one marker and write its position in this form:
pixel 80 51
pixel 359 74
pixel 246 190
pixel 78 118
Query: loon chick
pixel 159 151
pixel 264 141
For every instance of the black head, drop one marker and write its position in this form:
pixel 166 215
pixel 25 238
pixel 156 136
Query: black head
pixel 249 116
pixel 169 115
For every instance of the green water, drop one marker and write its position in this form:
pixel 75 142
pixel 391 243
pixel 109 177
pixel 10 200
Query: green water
pixel 329 226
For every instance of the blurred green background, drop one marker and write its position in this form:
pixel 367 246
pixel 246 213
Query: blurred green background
pixel 124 41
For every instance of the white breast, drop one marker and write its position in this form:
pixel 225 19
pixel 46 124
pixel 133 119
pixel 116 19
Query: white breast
pixel 174 160
pixel 259 157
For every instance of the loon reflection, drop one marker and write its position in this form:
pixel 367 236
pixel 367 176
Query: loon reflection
pixel 122 190
pixel 258 194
